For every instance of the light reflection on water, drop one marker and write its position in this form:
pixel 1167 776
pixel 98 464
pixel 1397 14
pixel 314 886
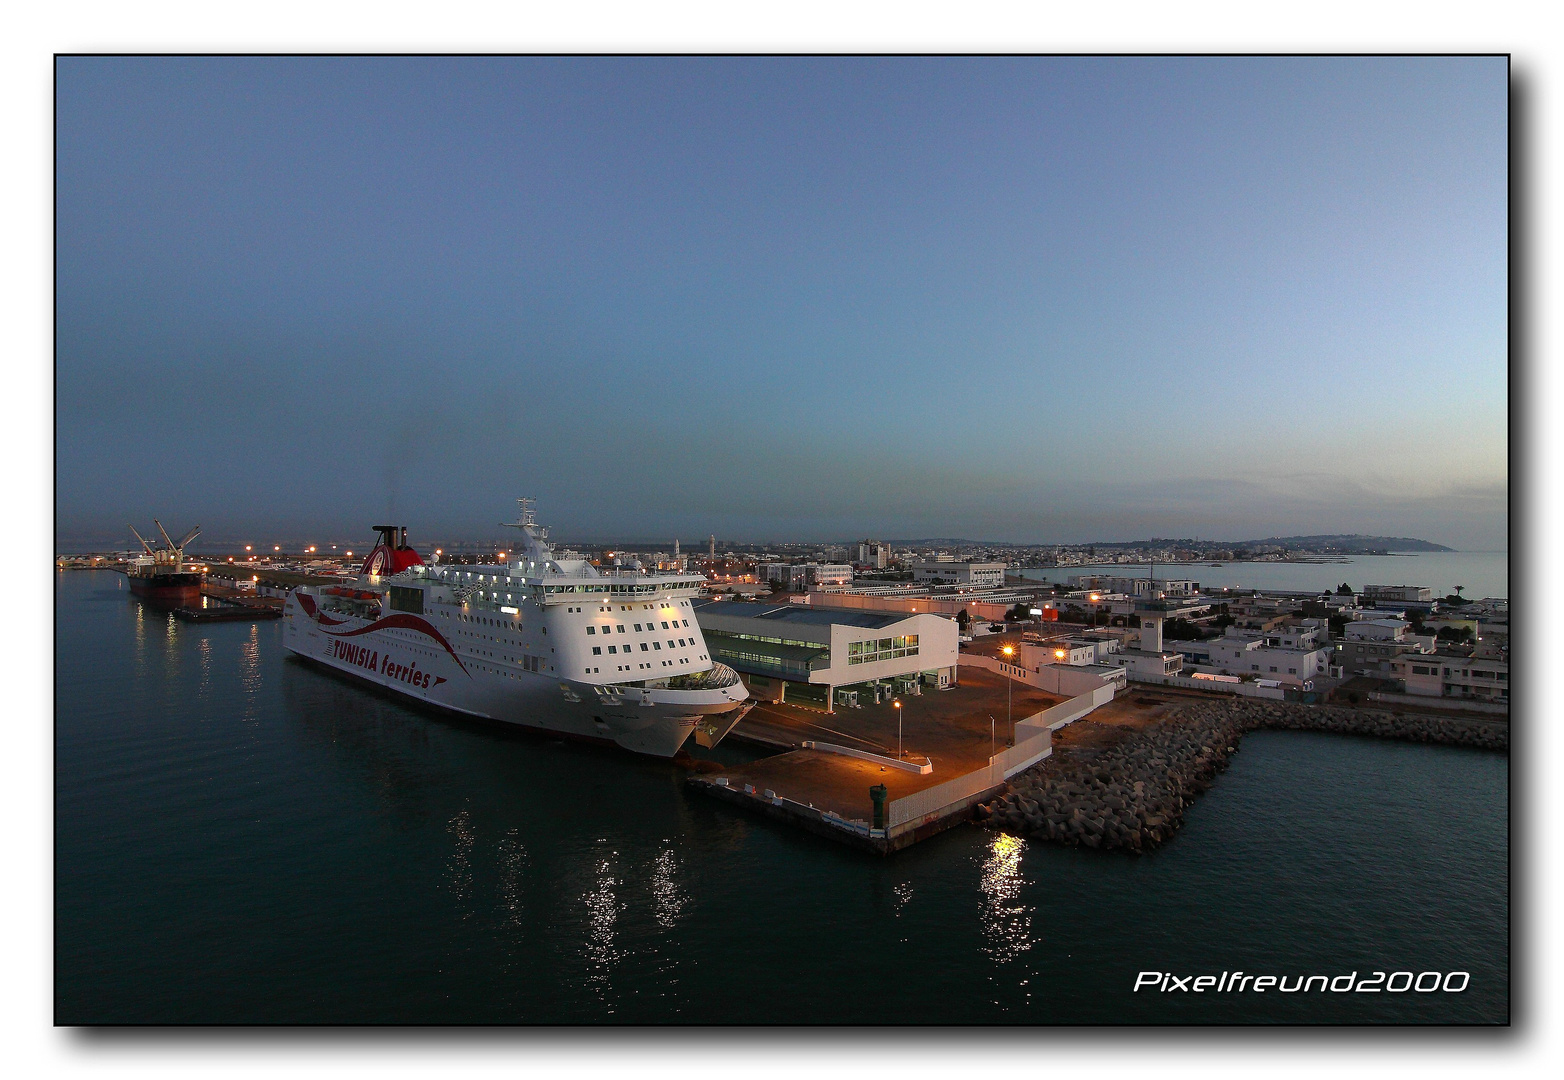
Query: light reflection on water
pixel 513 873
pixel 1007 922
pixel 250 672
pixel 668 898
pixel 602 908
pixel 460 865
pixel 204 662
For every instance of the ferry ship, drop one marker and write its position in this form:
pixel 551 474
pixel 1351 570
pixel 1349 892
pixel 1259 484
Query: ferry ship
pixel 159 576
pixel 544 642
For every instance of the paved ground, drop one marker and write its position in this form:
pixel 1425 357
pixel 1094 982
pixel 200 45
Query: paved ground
pixel 950 727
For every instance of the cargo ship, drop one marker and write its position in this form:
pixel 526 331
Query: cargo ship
pixel 545 641
pixel 159 576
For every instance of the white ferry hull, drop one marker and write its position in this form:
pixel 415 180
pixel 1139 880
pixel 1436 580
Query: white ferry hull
pixel 409 655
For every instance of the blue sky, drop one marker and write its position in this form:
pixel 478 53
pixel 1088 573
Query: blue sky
pixel 1015 299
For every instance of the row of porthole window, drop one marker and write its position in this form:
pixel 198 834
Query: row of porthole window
pixel 592 630
pixel 664 663
pixel 597 650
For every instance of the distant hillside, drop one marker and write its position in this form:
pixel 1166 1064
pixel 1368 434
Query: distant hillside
pixel 1348 543
pixel 1333 543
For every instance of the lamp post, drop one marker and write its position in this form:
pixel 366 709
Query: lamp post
pixel 896 704
pixel 1009 651
pixel 992 748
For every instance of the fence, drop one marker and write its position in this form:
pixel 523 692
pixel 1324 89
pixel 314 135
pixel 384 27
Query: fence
pixel 1242 689
pixel 1419 701
pixel 1034 741
pixel 928 803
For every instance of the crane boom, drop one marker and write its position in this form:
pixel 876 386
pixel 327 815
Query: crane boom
pixel 138 536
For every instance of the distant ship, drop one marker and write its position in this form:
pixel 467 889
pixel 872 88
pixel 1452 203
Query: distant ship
pixel 545 641
pixel 159 576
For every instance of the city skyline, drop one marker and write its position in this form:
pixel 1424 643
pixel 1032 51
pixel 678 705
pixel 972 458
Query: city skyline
pixel 1028 300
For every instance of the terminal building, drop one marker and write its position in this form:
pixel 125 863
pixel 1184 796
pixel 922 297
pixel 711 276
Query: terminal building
pixel 829 658
pixel 959 573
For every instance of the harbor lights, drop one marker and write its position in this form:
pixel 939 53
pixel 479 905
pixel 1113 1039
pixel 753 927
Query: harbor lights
pixel 1058 654
pixel 247 547
pixel 896 704
pixel 1009 651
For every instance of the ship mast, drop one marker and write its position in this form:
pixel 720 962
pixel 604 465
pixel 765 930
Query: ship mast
pixel 536 553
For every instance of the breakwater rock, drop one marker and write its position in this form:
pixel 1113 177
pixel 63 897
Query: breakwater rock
pixel 1130 792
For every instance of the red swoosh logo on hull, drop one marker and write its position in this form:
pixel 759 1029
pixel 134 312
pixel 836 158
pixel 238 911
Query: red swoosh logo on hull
pixel 307 602
pixel 407 622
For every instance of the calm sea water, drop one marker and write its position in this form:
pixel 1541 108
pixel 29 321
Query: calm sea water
pixel 241 838
pixel 1479 573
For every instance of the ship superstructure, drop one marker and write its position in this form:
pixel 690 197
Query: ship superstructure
pixel 541 641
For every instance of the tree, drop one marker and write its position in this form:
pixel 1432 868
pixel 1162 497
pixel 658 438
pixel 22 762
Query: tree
pixel 778 585
pixel 1343 589
pixel 1018 613
pixel 962 618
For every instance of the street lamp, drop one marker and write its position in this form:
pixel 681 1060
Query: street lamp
pixel 1009 651
pixel 896 704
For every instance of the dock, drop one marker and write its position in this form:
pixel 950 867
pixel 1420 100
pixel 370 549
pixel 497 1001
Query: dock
pixel 840 775
pixel 234 605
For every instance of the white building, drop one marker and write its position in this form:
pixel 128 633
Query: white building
pixel 1454 675
pixel 1375 630
pixel 874 553
pixel 795 652
pixel 1072 651
pixel 1153 588
pixel 1291 655
pixel 828 574
pixel 796 577
pixel 1408 594
pixel 959 573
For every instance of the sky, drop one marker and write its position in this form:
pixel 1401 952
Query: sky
pixel 1046 300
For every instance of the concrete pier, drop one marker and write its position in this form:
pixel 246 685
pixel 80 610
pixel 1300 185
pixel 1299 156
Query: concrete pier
pixel 954 755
